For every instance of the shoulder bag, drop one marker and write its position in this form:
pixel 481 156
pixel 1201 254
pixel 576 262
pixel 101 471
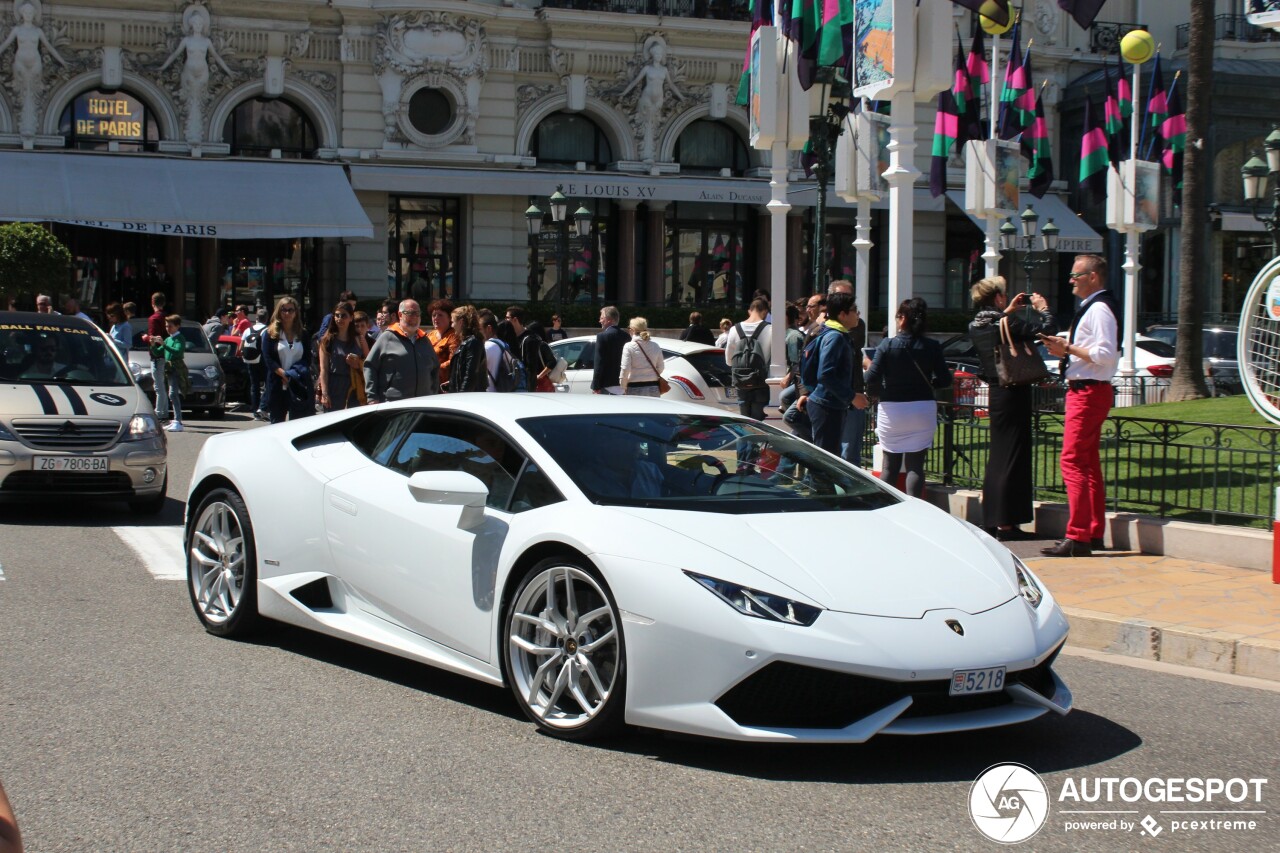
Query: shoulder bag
pixel 940 395
pixel 663 385
pixel 1017 362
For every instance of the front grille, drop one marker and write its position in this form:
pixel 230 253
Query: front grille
pixel 67 433
pixel 63 482
pixel 792 696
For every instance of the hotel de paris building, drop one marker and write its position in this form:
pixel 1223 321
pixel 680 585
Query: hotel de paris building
pixel 230 151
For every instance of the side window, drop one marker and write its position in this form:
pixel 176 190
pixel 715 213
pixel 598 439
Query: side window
pixel 534 490
pixel 580 355
pixel 441 443
pixel 377 436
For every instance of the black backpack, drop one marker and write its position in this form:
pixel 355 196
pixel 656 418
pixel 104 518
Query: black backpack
pixel 251 347
pixel 749 369
pixel 511 375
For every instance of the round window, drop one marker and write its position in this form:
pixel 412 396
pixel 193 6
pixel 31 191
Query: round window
pixel 430 111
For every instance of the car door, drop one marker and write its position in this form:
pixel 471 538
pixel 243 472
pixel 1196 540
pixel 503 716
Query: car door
pixel 580 353
pixel 410 561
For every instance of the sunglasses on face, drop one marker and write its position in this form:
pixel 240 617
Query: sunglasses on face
pixel 288 310
pixel 1075 275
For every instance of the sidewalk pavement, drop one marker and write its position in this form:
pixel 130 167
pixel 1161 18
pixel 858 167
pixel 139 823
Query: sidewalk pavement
pixel 1166 608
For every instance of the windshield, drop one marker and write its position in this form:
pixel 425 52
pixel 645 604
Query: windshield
pixel 192 334
pixel 701 463
pixel 36 352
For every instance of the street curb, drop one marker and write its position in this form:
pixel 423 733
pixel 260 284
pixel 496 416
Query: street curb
pixel 1184 645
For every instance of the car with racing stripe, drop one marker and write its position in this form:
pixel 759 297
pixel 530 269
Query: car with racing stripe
pixel 73 421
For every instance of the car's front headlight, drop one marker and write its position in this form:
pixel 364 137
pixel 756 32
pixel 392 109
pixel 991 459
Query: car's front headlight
pixel 212 372
pixel 137 370
pixel 5 435
pixel 761 605
pixel 1027 586
pixel 143 427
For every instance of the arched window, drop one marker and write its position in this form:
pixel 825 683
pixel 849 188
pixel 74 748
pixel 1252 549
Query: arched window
pixel 707 147
pixel 260 126
pixel 569 139
pixel 96 119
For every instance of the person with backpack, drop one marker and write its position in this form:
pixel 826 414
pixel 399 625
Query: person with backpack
pixel 533 350
pixel 251 355
pixel 402 363
pixel 747 352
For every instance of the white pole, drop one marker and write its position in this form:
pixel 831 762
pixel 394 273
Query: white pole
pixel 1132 248
pixel 991 254
pixel 778 208
pixel 862 245
pixel 901 176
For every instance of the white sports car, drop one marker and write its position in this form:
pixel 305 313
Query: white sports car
pixel 624 560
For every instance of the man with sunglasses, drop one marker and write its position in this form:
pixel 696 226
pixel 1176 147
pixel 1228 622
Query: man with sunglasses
pixel 1090 355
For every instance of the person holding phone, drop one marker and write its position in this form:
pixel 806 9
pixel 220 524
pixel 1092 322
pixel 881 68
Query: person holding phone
pixel 1007 489
pixel 1090 355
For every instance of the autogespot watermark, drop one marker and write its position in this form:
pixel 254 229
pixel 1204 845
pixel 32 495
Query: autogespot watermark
pixel 1010 803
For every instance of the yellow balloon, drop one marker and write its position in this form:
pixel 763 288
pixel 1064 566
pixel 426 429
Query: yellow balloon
pixel 1137 47
pixel 989 26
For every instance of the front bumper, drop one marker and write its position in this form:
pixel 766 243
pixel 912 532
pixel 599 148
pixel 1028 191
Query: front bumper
pixel 137 470
pixel 708 670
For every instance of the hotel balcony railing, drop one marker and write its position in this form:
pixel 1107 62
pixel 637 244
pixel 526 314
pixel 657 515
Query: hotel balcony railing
pixel 720 10
pixel 1104 36
pixel 1230 28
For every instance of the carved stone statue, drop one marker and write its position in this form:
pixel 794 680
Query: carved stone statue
pixel 197 48
pixel 656 79
pixel 28 64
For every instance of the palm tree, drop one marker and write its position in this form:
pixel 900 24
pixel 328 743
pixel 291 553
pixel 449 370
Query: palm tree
pixel 1193 268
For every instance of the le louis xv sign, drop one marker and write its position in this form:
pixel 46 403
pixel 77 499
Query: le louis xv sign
pixel 665 191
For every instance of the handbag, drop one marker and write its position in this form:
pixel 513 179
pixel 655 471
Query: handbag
pixel 663 385
pixel 1017 362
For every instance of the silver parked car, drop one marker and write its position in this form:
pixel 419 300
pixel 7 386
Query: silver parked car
pixel 208 383
pixel 73 421
pixel 1220 364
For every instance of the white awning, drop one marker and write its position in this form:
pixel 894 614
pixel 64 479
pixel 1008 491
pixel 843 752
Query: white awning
pixel 1074 233
pixel 181 197
pixel 611 186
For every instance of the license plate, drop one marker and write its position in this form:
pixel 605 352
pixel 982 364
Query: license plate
pixel 72 463
pixel 968 681
pixel 731 393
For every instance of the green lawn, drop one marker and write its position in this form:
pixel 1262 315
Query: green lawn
pixel 1212 410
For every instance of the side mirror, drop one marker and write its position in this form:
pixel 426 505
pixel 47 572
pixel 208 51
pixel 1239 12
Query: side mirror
pixel 452 488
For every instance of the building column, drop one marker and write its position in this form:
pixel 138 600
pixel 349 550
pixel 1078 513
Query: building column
pixel 655 238
pixel 795 245
pixel 626 289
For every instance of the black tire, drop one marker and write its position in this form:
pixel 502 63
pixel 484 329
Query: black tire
pixel 153 504
pixel 212 583
pixel 608 663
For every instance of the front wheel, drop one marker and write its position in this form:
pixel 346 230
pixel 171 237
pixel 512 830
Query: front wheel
pixel 563 651
pixel 222 565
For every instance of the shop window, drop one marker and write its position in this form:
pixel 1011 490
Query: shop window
pixel 709 147
pixel 258 272
pixel 705 255
pixel 96 120
pixel 570 139
pixel 430 111
pixel 423 249
pixel 258 127
pixel 565 267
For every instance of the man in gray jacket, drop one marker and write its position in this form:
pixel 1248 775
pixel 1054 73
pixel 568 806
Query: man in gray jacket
pixel 402 363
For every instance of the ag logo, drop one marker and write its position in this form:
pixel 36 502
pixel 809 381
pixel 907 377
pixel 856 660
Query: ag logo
pixel 1009 803
pixel 107 399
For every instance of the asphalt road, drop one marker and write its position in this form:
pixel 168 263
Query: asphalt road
pixel 124 726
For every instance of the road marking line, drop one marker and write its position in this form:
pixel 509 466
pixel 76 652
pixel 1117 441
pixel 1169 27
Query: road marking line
pixel 159 548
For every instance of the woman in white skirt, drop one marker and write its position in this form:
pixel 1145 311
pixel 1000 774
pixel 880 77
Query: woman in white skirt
pixel 906 370
pixel 641 362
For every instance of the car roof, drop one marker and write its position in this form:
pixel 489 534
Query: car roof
pixel 67 321
pixel 674 344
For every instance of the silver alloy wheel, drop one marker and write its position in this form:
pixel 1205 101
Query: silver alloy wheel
pixel 217 562
pixel 564 647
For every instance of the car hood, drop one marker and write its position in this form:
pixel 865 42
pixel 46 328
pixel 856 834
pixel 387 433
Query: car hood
pixel 39 399
pixel 899 561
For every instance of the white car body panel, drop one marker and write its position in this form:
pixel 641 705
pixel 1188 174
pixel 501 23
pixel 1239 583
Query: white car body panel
pixel 406 578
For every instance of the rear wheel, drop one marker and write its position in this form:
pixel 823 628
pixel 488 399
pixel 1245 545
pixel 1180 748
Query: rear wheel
pixel 563 651
pixel 222 565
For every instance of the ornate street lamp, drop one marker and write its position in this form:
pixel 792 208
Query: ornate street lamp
pixel 581 224
pixel 1255 173
pixel 824 130
pixel 1012 240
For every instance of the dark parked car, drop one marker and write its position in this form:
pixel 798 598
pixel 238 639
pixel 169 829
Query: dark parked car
pixel 208 384
pixel 1220 362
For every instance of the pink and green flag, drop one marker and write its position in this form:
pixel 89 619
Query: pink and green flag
pixel 1035 144
pixel 1173 132
pixel 946 130
pixel 1112 117
pixel 1013 118
pixel 1093 155
pixel 761 16
pixel 968 100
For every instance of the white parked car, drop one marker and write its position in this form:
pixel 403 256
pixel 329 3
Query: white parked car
pixel 73 422
pixel 623 560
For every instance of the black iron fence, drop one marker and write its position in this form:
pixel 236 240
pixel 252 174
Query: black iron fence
pixel 1209 473
pixel 1230 28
